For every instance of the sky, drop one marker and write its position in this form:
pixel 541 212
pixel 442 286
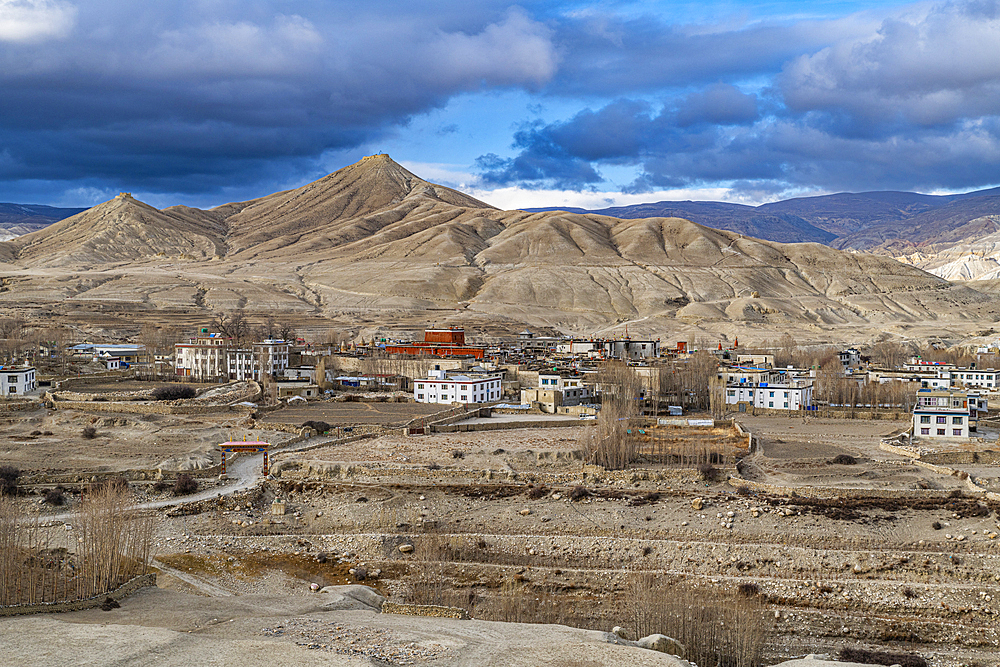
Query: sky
pixel 588 104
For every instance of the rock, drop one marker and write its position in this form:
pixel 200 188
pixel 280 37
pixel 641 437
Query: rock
pixel 406 548
pixel 556 496
pixel 525 512
pixel 663 644
pixel 314 587
pixel 620 632
pixel 697 503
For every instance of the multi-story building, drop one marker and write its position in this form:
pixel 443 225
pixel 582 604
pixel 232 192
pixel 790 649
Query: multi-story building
pixel 555 390
pixel 973 377
pixel 793 395
pixel 203 357
pixel 944 413
pixel 439 387
pixel 17 380
pixel 245 364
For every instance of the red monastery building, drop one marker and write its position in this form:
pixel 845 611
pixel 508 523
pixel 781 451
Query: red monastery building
pixel 440 343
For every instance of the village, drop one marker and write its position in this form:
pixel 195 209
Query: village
pixel 802 489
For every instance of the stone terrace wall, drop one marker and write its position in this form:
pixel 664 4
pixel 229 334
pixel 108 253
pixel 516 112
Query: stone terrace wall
pixel 431 610
pixel 587 474
pixel 123 591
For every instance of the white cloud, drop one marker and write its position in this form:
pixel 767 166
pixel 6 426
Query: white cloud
pixel 35 20
pixel 520 198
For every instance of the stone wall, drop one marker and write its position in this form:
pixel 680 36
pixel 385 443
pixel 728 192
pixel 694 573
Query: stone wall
pixel 153 408
pixel 123 591
pixel 463 428
pixel 431 610
pixel 832 492
pixel 586 474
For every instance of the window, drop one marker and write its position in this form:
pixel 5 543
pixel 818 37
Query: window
pixel 956 431
pixel 925 431
pixel 420 386
pixel 942 420
pixel 465 398
pixel 420 396
pixel 925 419
pixel 956 420
pixel 731 392
pixel 786 404
pixel 464 388
pixel 940 431
pixel 770 404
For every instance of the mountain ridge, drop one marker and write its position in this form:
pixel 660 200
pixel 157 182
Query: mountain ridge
pixel 375 238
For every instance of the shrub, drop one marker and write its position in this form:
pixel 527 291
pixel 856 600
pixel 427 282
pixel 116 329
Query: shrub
pixel 748 589
pixel 937 525
pixel 844 460
pixel 536 492
pixel 36 433
pixel 457 454
pixel 184 485
pixel 867 657
pixel 110 485
pixel 161 486
pixel 743 490
pixel 8 480
pixel 46 432
pixel 579 493
pixel 318 426
pixel 173 392
pixel 54 497
pixel 708 472
pixel 89 432
pixel 908 593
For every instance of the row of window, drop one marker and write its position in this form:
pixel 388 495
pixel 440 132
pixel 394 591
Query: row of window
pixel 926 419
pixel 941 431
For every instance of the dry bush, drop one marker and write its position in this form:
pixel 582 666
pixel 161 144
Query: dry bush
pixel 185 484
pixel 537 492
pixel 318 426
pixel 173 392
pixel 718 628
pixel 866 657
pixel 8 480
pixel 89 432
pixel 55 497
pixel 844 460
pixel 708 472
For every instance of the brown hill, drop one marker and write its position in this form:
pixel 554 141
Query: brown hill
pixel 120 230
pixel 375 238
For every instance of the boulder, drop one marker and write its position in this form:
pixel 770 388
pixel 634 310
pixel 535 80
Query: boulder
pixel 620 632
pixel 663 644
pixel 405 548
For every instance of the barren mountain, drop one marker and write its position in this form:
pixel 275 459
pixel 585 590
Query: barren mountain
pixel 374 238
pixel 120 230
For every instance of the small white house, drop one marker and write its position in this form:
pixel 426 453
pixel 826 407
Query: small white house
pixel 438 387
pixel 573 390
pixel 942 414
pixel 17 380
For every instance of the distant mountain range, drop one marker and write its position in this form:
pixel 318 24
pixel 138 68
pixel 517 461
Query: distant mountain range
pixel 906 225
pixel 18 219
pixel 374 240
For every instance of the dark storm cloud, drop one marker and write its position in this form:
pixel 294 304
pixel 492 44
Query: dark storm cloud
pixel 187 96
pixel 912 102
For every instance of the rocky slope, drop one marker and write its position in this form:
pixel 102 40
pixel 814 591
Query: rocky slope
pixel 374 237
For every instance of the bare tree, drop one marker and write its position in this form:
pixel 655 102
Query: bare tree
pixel 236 326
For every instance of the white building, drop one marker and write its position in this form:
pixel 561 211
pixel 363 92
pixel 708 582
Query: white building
pixel 972 377
pixel 245 364
pixel 439 387
pixel 573 390
pixel 794 396
pixel 17 380
pixel 203 357
pixel 944 414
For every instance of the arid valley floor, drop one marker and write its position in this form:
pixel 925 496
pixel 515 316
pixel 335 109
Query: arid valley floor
pixel 511 525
